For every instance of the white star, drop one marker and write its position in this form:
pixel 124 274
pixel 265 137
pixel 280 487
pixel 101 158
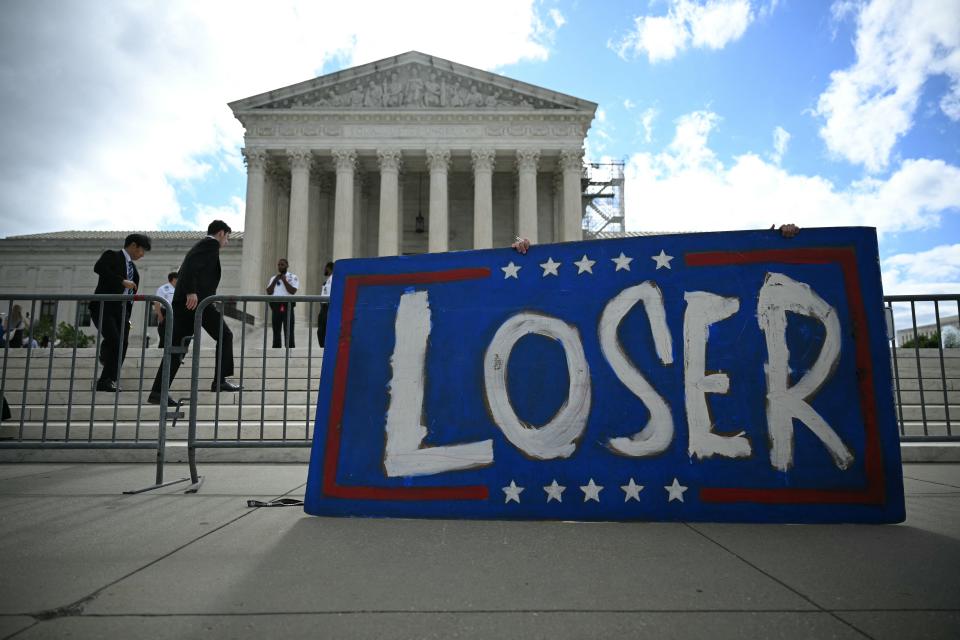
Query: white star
pixel 675 490
pixel 513 493
pixel 553 491
pixel 550 267
pixel 623 262
pixel 591 491
pixel 510 271
pixel 632 490
pixel 662 260
pixel 585 265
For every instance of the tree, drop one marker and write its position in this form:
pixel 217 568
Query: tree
pixel 70 336
pixel 923 342
pixel 951 338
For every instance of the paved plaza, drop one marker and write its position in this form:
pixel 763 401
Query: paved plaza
pixel 81 560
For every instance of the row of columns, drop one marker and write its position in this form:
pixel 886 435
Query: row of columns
pixel 390 228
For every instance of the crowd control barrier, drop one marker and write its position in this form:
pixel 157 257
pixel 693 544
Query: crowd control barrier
pixel 925 355
pixel 273 408
pixel 51 394
pixel 50 391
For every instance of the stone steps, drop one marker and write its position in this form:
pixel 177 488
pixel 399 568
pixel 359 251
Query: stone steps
pixel 249 396
pixel 129 431
pixel 105 412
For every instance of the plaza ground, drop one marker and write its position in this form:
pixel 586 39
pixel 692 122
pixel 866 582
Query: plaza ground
pixel 79 559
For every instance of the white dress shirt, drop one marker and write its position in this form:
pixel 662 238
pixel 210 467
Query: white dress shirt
pixel 280 289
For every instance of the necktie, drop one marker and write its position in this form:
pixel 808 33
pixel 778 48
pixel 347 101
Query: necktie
pixel 129 277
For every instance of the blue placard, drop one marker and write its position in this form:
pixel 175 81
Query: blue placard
pixel 735 376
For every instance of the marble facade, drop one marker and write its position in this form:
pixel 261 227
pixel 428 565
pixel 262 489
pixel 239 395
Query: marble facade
pixel 406 155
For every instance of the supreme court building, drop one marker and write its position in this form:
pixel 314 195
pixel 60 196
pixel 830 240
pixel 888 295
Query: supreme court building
pixel 406 155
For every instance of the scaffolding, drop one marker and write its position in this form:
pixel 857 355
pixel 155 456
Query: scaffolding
pixel 603 198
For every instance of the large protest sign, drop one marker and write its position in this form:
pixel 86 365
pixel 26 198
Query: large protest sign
pixel 733 376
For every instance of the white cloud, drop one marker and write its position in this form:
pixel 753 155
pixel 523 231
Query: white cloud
pixel 936 270
pixel 869 106
pixel 232 213
pixel 703 24
pixel 781 139
pixel 557 17
pixel 840 10
pixel 646 121
pixel 596 143
pixel 109 107
pixel 629 104
pixel 687 188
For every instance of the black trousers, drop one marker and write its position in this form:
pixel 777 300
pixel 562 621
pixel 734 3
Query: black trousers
pixel 114 338
pixel 161 330
pixel 282 314
pixel 322 323
pixel 182 334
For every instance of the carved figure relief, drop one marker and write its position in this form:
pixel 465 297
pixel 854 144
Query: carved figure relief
pixel 413 86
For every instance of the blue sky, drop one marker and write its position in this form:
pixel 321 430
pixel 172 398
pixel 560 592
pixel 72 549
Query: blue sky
pixel 729 113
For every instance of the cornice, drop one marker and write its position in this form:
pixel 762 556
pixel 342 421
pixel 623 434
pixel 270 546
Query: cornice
pixel 324 130
pixel 318 90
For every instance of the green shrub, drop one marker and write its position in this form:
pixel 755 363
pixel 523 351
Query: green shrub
pixel 924 342
pixel 70 336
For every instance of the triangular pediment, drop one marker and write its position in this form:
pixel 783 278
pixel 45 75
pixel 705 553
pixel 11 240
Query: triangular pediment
pixel 411 82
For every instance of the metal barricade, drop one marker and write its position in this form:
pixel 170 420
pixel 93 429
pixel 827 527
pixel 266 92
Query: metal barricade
pixel 276 404
pixel 256 416
pixel 926 366
pixel 45 411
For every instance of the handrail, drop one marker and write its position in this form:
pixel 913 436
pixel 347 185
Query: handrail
pixel 192 441
pixel 45 442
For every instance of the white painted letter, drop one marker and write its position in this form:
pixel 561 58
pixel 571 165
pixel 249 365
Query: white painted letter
pixel 557 438
pixel 656 436
pixel 703 309
pixel 405 454
pixel 778 295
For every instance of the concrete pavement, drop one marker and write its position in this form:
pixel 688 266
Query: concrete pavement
pixel 79 559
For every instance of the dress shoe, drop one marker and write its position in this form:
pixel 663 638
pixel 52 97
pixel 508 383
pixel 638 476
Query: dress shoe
pixel 155 399
pixel 107 385
pixel 224 386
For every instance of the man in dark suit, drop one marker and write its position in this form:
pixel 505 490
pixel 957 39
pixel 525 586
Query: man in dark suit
pixel 117 274
pixel 199 276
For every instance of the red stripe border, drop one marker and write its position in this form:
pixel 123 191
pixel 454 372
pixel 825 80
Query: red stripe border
pixel 330 487
pixel 846 257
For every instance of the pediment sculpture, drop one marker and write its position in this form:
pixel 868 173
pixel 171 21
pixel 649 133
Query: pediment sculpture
pixel 413 86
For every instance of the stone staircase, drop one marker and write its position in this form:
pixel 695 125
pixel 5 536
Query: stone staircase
pixel 59 403
pixel 926 389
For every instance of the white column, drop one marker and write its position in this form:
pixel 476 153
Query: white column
pixel 346 162
pixel 556 209
pixel 319 228
pixel 282 220
pixel 439 224
pixel 527 160
pixel 388 239
pixel 298 236
pixel 360 244
pixel 483 160
pixel 571 161
pixel 252 264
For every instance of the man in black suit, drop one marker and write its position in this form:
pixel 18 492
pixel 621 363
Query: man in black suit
pixel 199 276
pixel 117 274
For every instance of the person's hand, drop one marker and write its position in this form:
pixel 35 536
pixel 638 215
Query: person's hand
pixel 521 245
pixel 192 301
pixel 129 284
pixel 788 230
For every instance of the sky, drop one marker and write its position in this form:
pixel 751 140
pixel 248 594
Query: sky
pixel 729 114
